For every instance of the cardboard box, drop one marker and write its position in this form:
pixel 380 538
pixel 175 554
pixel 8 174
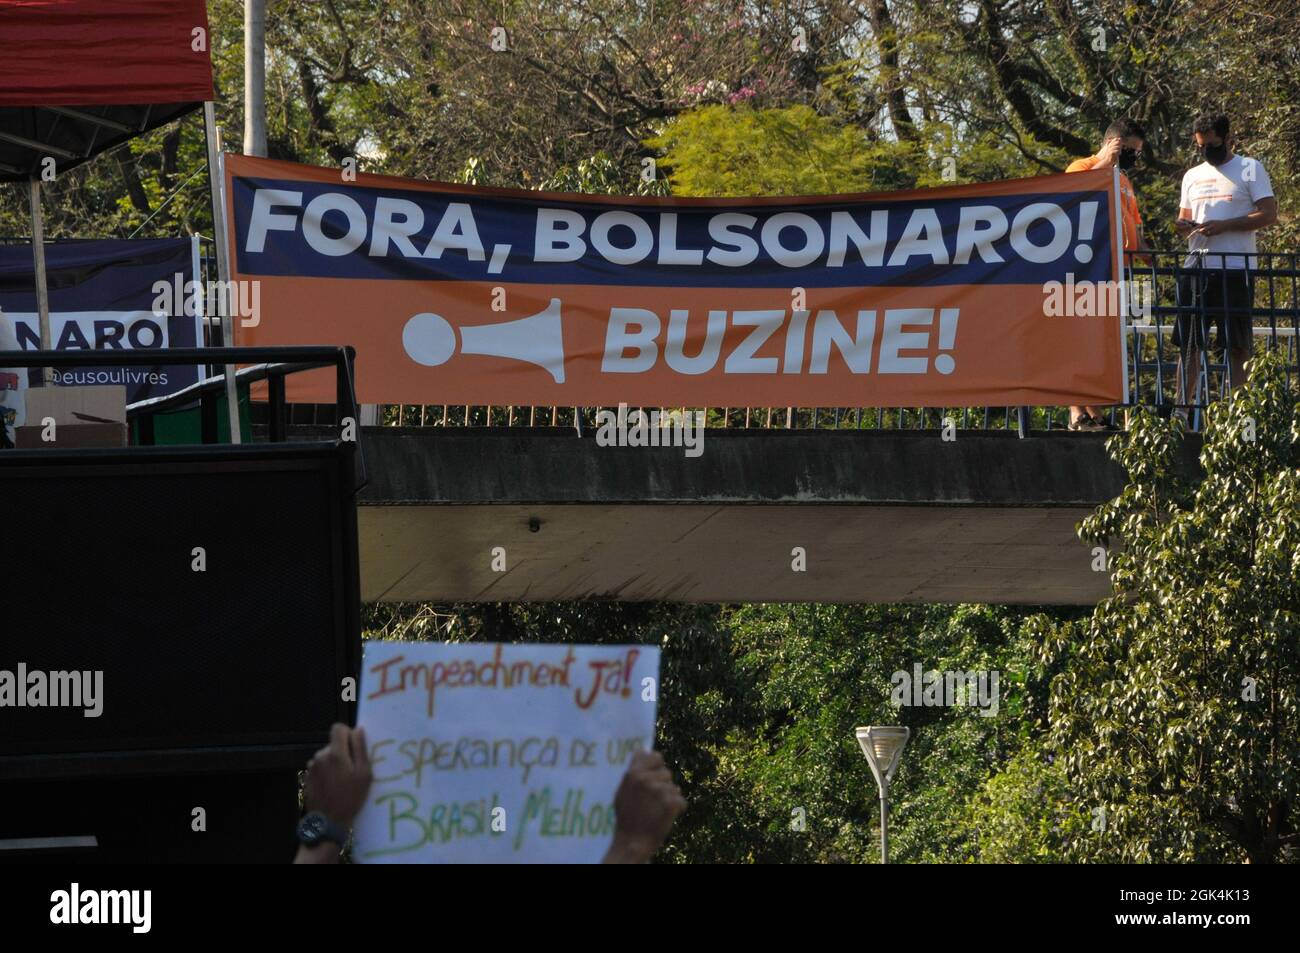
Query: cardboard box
pixel 71 437
pixel 91 416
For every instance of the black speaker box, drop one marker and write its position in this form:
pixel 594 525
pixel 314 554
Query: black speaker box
pixel 231 817
pixel 213 591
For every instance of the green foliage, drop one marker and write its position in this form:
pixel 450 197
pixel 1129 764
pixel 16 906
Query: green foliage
pixel 819 672
pixel 601 175
pixel 1176 710
pixel 742 150
pixel 1024 814
pixel 721 150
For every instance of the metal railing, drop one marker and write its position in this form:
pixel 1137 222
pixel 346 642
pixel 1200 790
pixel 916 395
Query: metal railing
pixel 1192 291
pixel 270 364
pixel 1159 296
pixel 277 363
pixel 262 364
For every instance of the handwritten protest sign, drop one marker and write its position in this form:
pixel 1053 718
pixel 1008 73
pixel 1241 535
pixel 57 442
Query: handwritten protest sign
pixel 493 753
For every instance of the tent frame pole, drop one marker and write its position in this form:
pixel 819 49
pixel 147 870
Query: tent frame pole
pixel 42 283
pixel 226 295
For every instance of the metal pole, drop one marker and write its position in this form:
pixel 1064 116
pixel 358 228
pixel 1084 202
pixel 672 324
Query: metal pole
pixel 255 78
pixel 196 264
pixel 42 285
pixel 223 261
pixel 1122 259
pixel 884 822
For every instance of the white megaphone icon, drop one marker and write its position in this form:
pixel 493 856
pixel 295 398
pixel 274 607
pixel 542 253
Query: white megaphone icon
pixel 538 339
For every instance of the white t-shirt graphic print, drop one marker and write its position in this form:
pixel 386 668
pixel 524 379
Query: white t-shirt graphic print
pixel 1218 192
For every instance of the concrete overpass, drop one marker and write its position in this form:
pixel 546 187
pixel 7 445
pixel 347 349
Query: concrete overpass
pixel 882 516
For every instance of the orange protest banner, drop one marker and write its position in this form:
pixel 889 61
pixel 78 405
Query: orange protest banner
pixel 1005 293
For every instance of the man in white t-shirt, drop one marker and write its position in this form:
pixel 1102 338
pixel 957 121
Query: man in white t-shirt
pixel 13 385
pixel 1225 200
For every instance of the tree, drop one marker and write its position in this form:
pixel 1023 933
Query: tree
pixel 816 672
pixel 1024 813
pixel 1176 711
pixel 722 150
pixel 529 88
pixel 935 91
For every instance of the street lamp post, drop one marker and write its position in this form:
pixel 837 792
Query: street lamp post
pixel 883 746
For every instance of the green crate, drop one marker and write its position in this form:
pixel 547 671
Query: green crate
pixel 184 425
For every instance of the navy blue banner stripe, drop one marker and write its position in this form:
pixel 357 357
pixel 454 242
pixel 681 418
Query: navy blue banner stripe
pixel 106 276
pixel 280 244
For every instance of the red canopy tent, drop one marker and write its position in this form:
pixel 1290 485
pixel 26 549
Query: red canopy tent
pixel 81 76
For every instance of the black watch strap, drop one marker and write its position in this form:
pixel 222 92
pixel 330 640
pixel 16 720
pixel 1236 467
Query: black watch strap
pixel 315 828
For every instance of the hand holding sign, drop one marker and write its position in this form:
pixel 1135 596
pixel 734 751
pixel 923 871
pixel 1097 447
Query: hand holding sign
pixel 339 776
pixel 511 753
pixel 338 780
pixel 646 805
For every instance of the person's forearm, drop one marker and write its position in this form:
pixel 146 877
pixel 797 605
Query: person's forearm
pixel 1251 222
pixel 1243 223
pixel 629 851
pixel 324 853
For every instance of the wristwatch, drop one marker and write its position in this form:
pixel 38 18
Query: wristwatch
pixel 316 827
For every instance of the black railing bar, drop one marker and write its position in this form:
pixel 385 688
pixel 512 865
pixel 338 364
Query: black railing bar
pixel 1258 330
pixel 1169 311
pixel 246 375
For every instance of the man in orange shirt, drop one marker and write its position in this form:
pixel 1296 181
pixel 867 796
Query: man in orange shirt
pixel 1121 145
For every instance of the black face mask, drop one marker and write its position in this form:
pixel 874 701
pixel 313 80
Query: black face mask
pixel 1215 155
pixel 1127 158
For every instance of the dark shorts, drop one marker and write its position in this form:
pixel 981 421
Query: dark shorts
pixel 1219 297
